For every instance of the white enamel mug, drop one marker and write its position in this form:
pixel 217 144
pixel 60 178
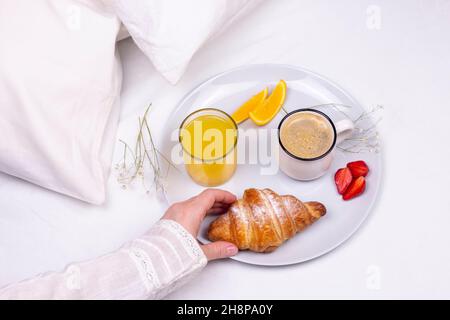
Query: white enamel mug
pixel 312 168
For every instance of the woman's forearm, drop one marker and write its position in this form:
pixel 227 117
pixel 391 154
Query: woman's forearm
pixel 149 267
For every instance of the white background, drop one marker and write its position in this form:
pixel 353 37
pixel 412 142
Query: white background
pixel 399 58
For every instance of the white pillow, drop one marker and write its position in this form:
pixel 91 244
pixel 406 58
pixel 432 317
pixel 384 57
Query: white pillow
pixel 59 82
pixel 169 32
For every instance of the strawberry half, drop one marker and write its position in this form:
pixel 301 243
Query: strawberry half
pixel 358 168
pixel 343 178
pixel 356 188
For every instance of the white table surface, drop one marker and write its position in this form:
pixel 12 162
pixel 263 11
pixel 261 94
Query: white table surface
pixel 399 59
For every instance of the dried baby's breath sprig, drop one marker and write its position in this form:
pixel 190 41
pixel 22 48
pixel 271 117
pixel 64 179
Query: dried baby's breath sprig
pixel 143 161
pixel 365 137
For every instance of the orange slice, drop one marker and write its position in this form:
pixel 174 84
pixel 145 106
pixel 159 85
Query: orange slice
pixel 241 114
pixel 269 108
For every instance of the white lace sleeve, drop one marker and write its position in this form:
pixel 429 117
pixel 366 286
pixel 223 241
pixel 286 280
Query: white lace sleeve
pixel 150 267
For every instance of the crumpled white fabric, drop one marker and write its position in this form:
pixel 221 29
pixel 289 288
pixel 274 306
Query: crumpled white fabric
pixel 60 82
pixel 169 32
pixel 149 267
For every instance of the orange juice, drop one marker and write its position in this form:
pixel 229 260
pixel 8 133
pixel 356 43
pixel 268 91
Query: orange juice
pixel 208 137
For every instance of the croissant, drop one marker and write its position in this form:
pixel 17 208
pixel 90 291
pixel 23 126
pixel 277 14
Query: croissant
pixel 262 220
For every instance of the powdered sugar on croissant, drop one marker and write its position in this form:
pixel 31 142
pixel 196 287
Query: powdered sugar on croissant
pixel 262 220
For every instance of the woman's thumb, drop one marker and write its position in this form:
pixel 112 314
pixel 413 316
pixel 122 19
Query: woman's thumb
pixel 219 250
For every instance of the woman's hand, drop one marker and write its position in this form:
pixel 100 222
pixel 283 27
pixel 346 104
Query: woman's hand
pixel 190 214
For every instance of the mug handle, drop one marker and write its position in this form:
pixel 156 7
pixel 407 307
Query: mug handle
pixel 344 130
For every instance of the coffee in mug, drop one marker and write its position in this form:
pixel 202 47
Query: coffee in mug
pixel 307 139
pixel 307 135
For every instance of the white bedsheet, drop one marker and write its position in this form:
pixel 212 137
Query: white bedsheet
pixel 401 63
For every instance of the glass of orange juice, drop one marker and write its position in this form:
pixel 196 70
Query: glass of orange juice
pixel 209 137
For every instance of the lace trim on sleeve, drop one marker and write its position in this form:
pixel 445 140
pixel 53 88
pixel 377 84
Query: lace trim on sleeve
pixel 189 241
pixel 145 267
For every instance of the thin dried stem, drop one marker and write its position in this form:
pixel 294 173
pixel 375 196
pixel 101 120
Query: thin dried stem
pixel 144 159
pixel 365 137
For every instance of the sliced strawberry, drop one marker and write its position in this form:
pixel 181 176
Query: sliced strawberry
pixel 343 178
pixel 355 188
pixel 358 168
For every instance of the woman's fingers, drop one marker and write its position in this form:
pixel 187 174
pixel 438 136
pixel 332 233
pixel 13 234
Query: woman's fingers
pixel 208 198
pixel 219 250
pixel 218 207
pixel 218 195
pixel 190 213
pixel 217 210
pixel 220 204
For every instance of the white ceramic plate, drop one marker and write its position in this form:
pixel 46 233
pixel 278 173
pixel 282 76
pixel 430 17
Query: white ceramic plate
pixel 228 90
